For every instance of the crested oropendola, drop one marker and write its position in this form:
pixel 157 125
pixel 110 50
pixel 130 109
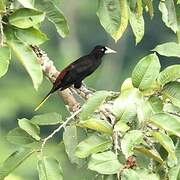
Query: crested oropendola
pixel 74 73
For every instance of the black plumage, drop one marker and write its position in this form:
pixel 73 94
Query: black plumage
pixel 74 73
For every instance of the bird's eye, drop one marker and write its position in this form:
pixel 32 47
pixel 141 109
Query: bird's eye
pixel 102 49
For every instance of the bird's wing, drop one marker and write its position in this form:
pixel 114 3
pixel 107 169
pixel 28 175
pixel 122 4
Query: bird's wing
pixel 76 68
pixel 75 71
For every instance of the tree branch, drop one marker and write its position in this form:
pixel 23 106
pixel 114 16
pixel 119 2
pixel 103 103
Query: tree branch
pixel 51 73
pixel 58 129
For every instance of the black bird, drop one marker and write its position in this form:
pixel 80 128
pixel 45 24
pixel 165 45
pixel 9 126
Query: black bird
pixel 74 73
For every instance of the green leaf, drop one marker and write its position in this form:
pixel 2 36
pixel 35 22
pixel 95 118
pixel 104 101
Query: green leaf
pixel 55 16
pixel 13 161
pixel 146 174
pixel 133 4
pixel 97 124
pixel 19 136
pixel 32 129
pixel 92 144
pixel 92 104
pixel 167 122
pixel 127 84
pixel 169 49
pixel 25 18
pixel 104 163
pixel 156 104
pixel 3 6
pixel 144 110
pixel 49 169
pixel 124 107
pixel 172 91
pixel 31 36
pixel 129 141
pixel 137 25
pixel 27 3
pixel 5 55
pixel 28 59
pixel 124 20
pixel 47 119
pixel 146 72
pixel 168 145
pixel 109 15
pixel 168 11
pixel 174 173
pixel 121 126
pixel 170 108
pixel 151 153
pixel 129 174
pixel 139 7
pixel 171 73
pixel 71 139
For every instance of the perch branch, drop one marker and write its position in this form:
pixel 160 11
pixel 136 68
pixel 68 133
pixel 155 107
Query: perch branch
pixel 58 129
pixel 51 73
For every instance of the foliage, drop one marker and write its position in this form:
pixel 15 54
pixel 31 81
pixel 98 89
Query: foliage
pixel 143 122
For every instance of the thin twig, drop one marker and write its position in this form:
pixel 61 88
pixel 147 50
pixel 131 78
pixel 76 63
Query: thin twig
pixel 58 129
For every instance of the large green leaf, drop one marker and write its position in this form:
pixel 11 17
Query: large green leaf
pixel 169 49
pixel 92 144
pixel 171 73
pixel 146 72
pixel 31 36
pixel 168 145
pixel 104 163
pixel 49 169
pixel 92 104
pixel 151 153
pixel 55 15
pixel 168 11
pixel 124 107
pixel 5 56
pixel 47 119
pixel 25 17
pixel 97 124
pixel 156 104
pixel 27 3
pixel 124 20
pixel 137 25
pixel 71 138
pixel 13 161
pixel 109 15
pixel 172 92
pixel 129 141
pixel 29 60
pixel 19 136
pixel 32 129
pixel 168 122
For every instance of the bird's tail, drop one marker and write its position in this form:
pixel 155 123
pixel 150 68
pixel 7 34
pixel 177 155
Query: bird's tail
pixel 43 101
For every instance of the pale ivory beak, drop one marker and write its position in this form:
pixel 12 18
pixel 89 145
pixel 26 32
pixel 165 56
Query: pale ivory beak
pixel 108 51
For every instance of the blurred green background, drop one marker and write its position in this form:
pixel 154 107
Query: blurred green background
pixel 18 98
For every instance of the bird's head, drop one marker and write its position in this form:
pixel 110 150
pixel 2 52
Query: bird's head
pixel 100 51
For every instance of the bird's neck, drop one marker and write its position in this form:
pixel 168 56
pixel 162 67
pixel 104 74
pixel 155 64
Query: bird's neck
pixel 97 55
